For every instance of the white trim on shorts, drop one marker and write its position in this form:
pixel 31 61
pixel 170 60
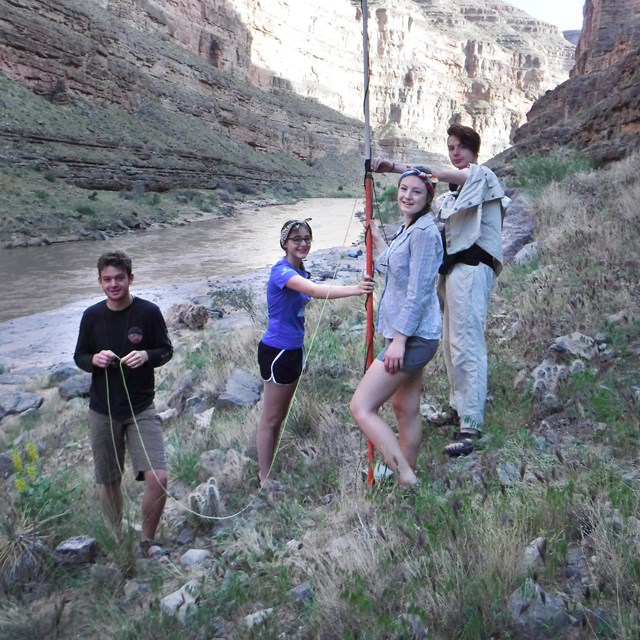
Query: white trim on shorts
pixel 271 378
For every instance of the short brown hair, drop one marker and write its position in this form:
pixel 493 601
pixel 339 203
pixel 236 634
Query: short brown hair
pixel 117 259
pixel 469 137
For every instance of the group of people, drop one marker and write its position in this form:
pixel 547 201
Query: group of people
pixel 438 270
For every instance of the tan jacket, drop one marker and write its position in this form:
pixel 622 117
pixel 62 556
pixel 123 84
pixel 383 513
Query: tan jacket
pixel 475 215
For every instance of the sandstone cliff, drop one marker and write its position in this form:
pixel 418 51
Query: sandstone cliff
pixel 174 92
pixel 597 111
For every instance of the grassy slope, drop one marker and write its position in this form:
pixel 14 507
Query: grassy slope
pixel 34 202
pixel 450 555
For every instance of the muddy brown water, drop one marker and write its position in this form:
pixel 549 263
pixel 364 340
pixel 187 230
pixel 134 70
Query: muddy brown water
pixel 37 279
pixel 43 290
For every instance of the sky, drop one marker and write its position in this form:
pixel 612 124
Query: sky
pixel 566 14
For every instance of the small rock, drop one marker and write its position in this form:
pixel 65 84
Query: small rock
pixel 194 556
pixel 302 593
pixel 258 617
pixel 242 389
pixel 576 344
pixel 181 602
pixel 186 536
pixel 533 554
pixel 617 318
pixel 166 416
pixel 508 474
pixel 528 253
pixel 133 589
pixel 76 551
pixel 187 315
pixel 6 465
pixel 13 403
pixel 77 386
pixel 534 611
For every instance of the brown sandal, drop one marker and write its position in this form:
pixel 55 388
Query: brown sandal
pixel 153 549
pixel 462 444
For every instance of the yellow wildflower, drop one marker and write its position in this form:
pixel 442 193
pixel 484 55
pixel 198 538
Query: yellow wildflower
pixel 32 452
pixel 32 472
pixel 16 458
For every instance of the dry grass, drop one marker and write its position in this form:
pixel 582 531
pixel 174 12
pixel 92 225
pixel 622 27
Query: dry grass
pixel 452 553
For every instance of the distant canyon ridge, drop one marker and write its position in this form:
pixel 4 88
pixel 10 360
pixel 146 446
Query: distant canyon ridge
pixel 189 93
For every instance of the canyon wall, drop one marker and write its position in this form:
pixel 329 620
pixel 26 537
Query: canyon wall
pixel 279 77
pixel 597 111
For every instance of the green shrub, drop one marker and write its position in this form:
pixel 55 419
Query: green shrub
pixel 39 495
pixel 184 462
pixel 536 172
pixel 241 298
pixel 85 210
pixel 153 199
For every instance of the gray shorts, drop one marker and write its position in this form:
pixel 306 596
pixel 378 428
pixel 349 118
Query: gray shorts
pixel 417 353
pixel 142 436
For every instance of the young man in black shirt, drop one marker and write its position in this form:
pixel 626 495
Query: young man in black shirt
pixel 120 342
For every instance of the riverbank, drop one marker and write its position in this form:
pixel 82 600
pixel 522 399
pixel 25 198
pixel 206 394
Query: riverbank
pixel 47 338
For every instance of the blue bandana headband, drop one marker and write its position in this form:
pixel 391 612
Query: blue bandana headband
pixel 428 178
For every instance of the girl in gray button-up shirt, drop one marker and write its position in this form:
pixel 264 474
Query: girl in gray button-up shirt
pixel 409 319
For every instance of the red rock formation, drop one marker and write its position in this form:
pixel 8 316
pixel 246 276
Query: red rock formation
pixel 597 111
pixel 246 72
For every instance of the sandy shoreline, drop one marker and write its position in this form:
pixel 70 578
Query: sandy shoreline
pixel 48 338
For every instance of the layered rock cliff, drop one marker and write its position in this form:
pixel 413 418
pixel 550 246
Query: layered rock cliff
pixel 597 111
pixel 224 82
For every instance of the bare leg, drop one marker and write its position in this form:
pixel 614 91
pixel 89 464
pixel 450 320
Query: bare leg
pixel 275 404
pixel 375 388
pixel 406 405
pixel 153 500
pixel 111 503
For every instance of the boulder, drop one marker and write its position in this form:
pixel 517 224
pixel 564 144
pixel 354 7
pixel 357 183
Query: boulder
pixel 186 315
pixel 12 402
pixel 76 387
pixel 242 389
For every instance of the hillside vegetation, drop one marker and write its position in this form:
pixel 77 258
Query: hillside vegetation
pixel 547 507
pixel 62 168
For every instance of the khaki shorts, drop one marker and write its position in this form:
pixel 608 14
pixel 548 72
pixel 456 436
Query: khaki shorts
pixel 142 436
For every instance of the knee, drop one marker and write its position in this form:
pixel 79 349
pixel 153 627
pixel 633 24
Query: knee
pixel 270 422
pixel 357 409
pixel 157 478
pixel 353 409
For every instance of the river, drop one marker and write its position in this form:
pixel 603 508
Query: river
pixel 43 290
pixel 37 279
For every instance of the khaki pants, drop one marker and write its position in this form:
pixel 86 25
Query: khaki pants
pixel 464 293
pixel 143 437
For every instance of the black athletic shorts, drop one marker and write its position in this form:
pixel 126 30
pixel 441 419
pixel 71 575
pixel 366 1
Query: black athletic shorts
pixel 282 366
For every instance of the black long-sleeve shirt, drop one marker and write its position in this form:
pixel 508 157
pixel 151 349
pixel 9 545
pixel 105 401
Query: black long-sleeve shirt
pixel 139 327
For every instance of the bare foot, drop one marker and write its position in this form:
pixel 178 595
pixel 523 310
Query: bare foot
pixel 408 479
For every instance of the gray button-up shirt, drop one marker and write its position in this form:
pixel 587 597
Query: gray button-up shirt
pixel 409 303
